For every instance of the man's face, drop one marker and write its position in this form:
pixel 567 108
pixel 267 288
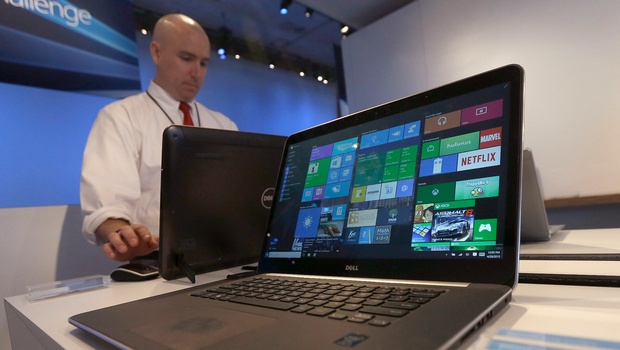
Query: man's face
pixel 181 64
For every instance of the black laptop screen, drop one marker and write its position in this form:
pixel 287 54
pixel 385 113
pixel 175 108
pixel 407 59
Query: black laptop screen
pixel 425 177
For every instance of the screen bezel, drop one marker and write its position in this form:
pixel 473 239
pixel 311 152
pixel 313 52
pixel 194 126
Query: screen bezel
pixel 498 271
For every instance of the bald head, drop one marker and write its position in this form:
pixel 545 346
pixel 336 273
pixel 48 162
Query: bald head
pixel 170 27
pixel 180 50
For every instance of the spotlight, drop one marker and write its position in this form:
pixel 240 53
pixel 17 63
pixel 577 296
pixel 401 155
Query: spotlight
pixel 284 6
pixel 325 78
pixel 308 12
pixel 222 53
pixel 224 41
pixel 144 31
pixel 344 29
pixel 272 66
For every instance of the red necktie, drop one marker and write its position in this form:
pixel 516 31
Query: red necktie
pixel 187 117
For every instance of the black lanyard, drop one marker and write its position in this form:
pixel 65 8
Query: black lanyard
pixel 166 114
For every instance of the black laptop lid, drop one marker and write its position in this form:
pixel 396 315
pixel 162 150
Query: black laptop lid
pixel 425 187
pixel 216 192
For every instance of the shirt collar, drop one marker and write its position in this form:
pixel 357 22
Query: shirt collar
pixel 169 104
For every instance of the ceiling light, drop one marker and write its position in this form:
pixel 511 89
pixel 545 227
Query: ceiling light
pixel 224 42
pixel 344 29
pixel 308 12
pixel 222 53
pixel 284 6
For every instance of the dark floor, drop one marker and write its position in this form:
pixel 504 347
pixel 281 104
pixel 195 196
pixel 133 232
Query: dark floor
pixel 591 216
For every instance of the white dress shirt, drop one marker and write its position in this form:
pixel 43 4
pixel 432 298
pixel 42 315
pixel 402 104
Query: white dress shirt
pixel 121 167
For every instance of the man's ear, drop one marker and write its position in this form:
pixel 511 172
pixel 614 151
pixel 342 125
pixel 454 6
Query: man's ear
pixel 155 51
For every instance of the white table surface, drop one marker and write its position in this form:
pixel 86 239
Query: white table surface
pixel 592 312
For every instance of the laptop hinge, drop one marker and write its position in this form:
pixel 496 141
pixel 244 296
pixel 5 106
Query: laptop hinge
pixel 378 280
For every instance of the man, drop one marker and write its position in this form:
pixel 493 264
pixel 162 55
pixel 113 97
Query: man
pixel 121 169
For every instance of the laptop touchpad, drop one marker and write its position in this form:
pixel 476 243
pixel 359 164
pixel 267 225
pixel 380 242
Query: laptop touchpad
pixel 199 329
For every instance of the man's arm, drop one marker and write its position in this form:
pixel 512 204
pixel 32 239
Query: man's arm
pixel 110 186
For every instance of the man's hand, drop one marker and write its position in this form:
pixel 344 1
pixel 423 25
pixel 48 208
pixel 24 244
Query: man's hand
pixel 128 241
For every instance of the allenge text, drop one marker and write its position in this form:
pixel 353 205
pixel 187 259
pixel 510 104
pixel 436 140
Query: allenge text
pixel 72 15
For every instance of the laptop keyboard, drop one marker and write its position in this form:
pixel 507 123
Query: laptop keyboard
pixel 371 304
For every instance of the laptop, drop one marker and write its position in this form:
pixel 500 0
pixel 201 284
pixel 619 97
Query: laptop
pixel 534 223
pixel 206 175
pixel 394 227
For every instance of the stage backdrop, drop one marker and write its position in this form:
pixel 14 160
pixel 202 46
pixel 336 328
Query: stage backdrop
pixel 80 46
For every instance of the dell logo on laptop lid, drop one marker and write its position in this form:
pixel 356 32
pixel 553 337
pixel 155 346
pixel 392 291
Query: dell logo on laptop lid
pixel 267 197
